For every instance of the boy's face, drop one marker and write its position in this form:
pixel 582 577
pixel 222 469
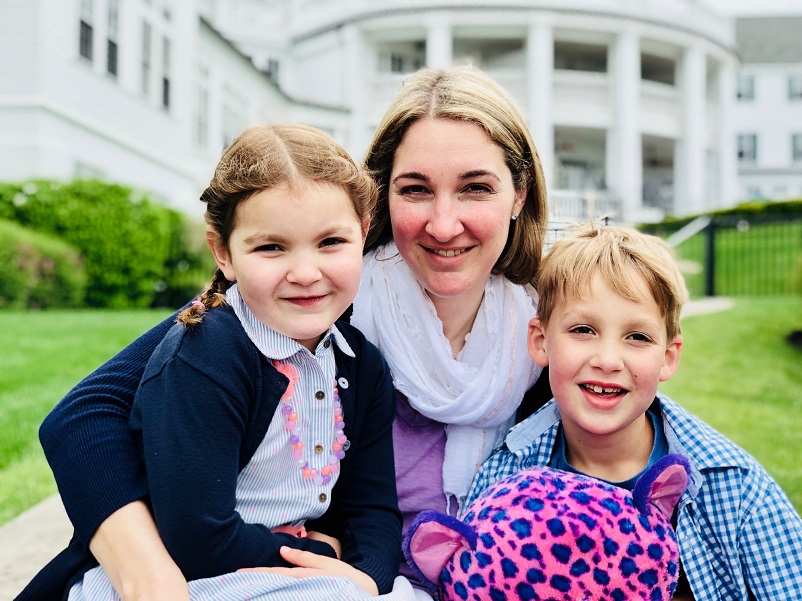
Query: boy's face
pixel 606 355
pixel 296 255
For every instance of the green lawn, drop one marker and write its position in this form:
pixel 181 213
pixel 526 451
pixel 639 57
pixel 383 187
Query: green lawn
pixel 737 373
pixel 44 354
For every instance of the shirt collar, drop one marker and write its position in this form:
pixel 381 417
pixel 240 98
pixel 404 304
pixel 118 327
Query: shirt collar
pixel 269 342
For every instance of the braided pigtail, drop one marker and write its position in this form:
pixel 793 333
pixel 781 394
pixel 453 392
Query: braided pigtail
pixel 213 296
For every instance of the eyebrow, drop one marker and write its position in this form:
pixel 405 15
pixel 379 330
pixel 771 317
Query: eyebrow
pixel 279 239
pixel 462 176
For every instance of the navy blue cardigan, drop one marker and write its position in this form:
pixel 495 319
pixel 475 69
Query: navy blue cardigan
pixel 85 431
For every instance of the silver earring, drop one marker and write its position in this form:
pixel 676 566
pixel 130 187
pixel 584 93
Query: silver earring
pixel 514 216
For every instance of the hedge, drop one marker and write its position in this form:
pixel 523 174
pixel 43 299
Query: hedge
pixel 40 272
pixel 132 248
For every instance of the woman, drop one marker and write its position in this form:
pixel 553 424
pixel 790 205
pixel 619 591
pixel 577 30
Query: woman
pixel 456 238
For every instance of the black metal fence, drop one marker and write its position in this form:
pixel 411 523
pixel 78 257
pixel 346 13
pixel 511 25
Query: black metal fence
pixel 746 256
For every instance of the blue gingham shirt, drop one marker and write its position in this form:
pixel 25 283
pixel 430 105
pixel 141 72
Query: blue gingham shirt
pixel 738 533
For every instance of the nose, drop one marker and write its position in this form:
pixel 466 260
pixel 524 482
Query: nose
pixel 304 271
pixel 607 357
pixel 445 222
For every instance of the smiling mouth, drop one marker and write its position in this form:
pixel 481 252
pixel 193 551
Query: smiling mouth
pixel 305 301
pixel 601 390
pixel 447 253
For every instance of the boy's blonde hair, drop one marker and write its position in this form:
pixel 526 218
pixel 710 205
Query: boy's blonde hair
pixel 619 255
pixel 465 94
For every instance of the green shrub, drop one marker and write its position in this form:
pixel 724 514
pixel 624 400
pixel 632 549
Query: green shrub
pixel 131 246
pixel 40 272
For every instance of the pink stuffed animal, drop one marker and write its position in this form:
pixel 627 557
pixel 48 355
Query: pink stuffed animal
pixel 545 534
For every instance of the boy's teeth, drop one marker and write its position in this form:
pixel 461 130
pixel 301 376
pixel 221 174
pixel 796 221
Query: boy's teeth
pixel 449 253
pixel 601 390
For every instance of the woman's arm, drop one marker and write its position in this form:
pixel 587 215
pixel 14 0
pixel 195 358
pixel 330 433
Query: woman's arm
pixel 133 556
pixel 87 441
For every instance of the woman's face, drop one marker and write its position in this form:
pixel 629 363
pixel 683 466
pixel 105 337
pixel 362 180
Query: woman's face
pixel 451 199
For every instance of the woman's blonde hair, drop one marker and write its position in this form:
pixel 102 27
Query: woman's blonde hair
pixel 260 159
pixel 466 94
pixel 620 256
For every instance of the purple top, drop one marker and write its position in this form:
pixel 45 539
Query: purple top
pixel 420 445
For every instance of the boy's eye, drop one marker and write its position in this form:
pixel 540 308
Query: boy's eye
pixel 640 337
pixel 581 330
pixel 268 248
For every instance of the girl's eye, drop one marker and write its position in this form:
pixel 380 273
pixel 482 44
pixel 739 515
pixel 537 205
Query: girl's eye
pixel 332 242
pixel 270 248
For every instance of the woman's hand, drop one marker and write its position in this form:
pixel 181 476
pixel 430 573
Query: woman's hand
pixel 311 564
pixel 128 546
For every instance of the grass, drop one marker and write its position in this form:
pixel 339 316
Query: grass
pixel 44 355
pixel 737 373
pixel 740 375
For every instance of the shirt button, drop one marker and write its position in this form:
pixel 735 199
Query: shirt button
pixel 322 497
pixel 326 343
pixel 318 448
pixel 320 395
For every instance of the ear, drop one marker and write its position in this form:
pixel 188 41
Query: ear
pixel 431 541
pixel 520 200
pixel 662 484
pixel 671 359
pixel 365 229
pixel 537 342
pixel 220 254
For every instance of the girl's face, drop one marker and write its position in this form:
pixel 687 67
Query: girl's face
pixel 451 199
pixel 296 255
pixel 606 355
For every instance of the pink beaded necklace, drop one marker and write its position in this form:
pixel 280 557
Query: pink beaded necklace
pixel 339 444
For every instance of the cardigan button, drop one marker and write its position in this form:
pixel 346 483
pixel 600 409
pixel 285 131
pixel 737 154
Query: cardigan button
pixel 322 497
pixel 320 395
pixel 319 448
pixel 342 382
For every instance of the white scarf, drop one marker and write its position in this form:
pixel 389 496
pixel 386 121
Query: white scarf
pixel 475 395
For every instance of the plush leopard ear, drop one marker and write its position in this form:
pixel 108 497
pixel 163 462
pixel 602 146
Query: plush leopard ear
pixel 431 541
pixel 662 484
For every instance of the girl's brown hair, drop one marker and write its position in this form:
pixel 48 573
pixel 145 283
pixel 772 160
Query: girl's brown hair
pixel 466 94
pixel 260 159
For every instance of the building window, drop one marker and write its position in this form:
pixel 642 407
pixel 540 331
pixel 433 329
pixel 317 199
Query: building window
pixel 746 87
pixel 747 148
pixel 795 88
pixel 234 118
pixel 166 51
pixel 86 29
pixel 796 148
pixel 147 42
pixel 113 32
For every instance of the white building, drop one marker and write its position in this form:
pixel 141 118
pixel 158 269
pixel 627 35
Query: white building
pixel 631 102
pixel 768 114
pixel 143 92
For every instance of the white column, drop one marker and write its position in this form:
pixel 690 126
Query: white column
pixel 540 92
pixel 439 45
pixel 727 165
pixel 355 76
pixel 692 156
pixel 624 161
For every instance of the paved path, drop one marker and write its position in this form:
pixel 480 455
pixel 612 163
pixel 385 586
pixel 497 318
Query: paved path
pixel 29 541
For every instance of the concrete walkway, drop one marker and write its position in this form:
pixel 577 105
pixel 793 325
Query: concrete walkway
pixel 32 539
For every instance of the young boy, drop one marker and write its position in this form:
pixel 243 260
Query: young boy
pixel 608 329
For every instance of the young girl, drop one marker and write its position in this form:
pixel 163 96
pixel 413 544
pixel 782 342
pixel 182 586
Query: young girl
pixel 262 423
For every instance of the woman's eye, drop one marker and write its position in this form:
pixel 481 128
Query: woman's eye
pixel 413 190
pixel 478 188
